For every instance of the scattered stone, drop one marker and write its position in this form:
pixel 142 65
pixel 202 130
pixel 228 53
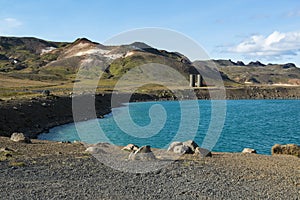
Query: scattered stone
pixel 46 93
pixel 6 149
pixel 92 149
pixel 65 142
pixel 288 149
pixel 191 144
pixel 20 137
pixel 78 142
pixel 248 150
pixel 130 147
pixel 143 153
pixel 203 152
pixel 44 104
pixel 15 108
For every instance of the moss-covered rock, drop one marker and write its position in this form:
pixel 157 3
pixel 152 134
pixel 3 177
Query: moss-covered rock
pixel 288 149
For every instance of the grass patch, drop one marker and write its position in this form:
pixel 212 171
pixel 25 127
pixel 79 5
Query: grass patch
pixel 16 164
pixel 6 155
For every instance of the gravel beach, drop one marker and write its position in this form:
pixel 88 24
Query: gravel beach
pixel 52 170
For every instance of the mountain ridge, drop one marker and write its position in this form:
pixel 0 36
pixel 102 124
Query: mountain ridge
pixel 24 56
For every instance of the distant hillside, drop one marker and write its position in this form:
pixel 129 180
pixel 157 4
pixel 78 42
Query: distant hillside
pixel 36 59
pixel 257 72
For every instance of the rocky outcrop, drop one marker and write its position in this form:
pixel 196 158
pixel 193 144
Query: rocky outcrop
pixel 143 153
pixel 130 148
pixel 256 64
pixel 188 147
pixel 182 149
pixel 191 144
pixel 288 149
pixel 173 145
pixel 248 150
pixel 20 137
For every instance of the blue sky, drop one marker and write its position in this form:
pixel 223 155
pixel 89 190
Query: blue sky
pixel 237 29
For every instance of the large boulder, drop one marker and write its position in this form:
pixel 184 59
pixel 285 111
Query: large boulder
pixel 20 137
pixel 92 150
pixel 102 148
pixel 130 148
pixel 143 153
pixel 191 144
pixel 288 149
pixel 182 149
pixel 187 147
pixel 173 145
pixel 203 152
pixel 248 150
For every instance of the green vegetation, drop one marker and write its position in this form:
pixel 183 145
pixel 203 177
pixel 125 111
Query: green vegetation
pixel 16 164
pixel 25 64
pixel 4 155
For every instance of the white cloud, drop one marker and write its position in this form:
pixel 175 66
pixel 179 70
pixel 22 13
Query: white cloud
pixel 12 22
pixel 276 44
pixel 8 24
pixel 295 13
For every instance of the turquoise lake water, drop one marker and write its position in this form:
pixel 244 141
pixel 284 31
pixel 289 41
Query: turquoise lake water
pixel 257 124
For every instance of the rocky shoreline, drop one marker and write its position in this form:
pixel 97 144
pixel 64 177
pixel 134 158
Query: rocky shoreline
pixel 39 114
pixel 53 170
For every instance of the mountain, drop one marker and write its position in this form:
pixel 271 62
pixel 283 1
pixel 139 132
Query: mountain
pixel 259 73
pixel 40 60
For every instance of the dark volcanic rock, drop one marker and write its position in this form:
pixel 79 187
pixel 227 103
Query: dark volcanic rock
pixel 240 63
pixel 256 64
pixel 40 114
pixel 288 65
pixel 203 152
pixel 3 57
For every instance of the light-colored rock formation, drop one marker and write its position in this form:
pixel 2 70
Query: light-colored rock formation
pixel 130 148
pixel 182 149
pixel 20 137
pixel 248 150
pixel 187 147
pixel 173 145
pixel 143 153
